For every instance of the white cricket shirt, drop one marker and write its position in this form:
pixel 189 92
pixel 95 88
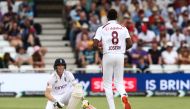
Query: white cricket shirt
pixel 60 85
pixel 113 37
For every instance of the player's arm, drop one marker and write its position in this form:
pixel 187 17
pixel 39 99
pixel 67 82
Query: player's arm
pixel 48 93
pixel 129 43
pixel 49 96
pixel 71 78
pixel 97 45
pixel 97 38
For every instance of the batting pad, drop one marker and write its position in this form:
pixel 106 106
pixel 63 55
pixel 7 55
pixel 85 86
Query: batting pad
pixel 76 97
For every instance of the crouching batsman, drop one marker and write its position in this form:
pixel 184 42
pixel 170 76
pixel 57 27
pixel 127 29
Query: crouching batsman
pixel 63 91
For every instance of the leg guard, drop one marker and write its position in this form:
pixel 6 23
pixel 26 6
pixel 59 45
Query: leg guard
pixel 76 97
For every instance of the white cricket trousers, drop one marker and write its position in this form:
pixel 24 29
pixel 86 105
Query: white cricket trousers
pixel 62 98
pixel 113 66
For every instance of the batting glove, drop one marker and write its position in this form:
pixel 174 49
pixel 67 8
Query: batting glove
pixel 58 104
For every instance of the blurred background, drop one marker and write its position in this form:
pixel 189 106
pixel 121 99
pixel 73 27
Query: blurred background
pixel 33 33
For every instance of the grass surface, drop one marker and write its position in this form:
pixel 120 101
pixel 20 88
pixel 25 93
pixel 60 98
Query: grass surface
pixel 101 103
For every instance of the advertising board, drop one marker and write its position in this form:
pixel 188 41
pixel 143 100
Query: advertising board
pixel 14 84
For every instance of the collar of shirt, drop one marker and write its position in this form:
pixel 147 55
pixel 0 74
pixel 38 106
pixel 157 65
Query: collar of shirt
pixel 57 76
pixel 112 21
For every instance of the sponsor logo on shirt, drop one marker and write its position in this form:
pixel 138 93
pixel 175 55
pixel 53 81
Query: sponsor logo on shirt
pixel 113 28
pixel 60 87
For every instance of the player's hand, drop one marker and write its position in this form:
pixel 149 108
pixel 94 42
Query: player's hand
pixel 58 104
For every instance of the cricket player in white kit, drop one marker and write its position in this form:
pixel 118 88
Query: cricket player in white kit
pixel 62 89
pixel 115 41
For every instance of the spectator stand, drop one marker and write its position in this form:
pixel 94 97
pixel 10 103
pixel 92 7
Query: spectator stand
pixel 17 30
pixel 155 22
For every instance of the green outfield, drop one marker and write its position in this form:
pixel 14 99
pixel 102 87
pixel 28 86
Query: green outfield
pixel 100 103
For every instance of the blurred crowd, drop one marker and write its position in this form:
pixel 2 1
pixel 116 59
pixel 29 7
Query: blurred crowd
pixel 20 44
pixel 159 29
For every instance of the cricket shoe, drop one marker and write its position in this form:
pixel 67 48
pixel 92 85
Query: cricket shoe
pixel 126 102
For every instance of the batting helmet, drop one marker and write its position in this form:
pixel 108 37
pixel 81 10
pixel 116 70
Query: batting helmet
pixel 59 61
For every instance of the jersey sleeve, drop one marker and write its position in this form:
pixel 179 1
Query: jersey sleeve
pixel 98 34
pixel 126 33
pixel 50 83
pixel 71 78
